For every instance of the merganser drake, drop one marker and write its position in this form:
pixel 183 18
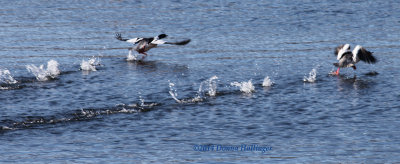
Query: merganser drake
pixel 145 44
pixel 349 58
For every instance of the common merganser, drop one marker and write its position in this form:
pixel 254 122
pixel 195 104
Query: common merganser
pixel 145 44
pixel 349 58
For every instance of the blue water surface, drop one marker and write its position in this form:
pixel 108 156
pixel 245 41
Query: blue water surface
pixel 160 109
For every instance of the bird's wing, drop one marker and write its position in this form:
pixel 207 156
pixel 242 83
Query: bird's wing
pixel 159 41
pixel 133 40
pixel 341 50
pixel 183 42
pixel 337 49
pixel 360 53
pixel 119 37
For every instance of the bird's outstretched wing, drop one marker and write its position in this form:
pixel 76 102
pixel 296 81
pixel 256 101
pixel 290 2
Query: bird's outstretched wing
pixel 337 49
pixel 119 37
pixel 363 55
pixel 133 40
pixel 183 42
pixel 159 41
pixel 341 50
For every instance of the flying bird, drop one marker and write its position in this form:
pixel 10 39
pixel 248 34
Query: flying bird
pixel 349 58
pixel 142 45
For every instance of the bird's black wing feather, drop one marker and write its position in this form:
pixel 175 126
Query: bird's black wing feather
pixel 180 42
pixel 366 56
pixel 119 37
pixel 337 49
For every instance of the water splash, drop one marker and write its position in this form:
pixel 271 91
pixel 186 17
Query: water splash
pixel 208 86
pixel 42 74
pixel 173 93
pixel 90 64
pixel 246 87
pixel 312 76
pixel 52 68
pixel 5 77
pixel 267 82
pixel 131 57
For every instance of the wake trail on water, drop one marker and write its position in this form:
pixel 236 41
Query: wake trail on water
pixel 207 87
pixel 77 115
pixel 43 74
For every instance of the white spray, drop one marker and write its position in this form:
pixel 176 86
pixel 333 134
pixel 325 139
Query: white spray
pixel 42 74
pixel 246 87
pixel 312 76
pixel 267 82
pixel 209 86
pixel 131 57
pixel 173 93
pixel 90 65
pixel 5 77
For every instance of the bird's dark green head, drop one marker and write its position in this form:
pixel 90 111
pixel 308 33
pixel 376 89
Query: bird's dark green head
pixel 162 36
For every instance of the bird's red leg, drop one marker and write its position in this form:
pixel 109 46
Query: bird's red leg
pixel 337 71
pixel 144 55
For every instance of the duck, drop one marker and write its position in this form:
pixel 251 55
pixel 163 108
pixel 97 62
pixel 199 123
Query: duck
pixel 347 58
pixel 142 45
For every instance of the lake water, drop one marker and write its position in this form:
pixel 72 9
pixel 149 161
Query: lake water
pixel 256 73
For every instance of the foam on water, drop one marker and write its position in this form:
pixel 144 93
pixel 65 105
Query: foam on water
pixel 246 87
pixel 90 64
pixel 312 76
pixel 42 74
pixel 267 82
pixel 5 77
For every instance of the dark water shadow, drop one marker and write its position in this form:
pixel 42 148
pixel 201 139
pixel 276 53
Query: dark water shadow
pixel 354 82
pixel 156 66
pixel 31 122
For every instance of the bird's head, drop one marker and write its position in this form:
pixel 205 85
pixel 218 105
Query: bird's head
pixel 162 36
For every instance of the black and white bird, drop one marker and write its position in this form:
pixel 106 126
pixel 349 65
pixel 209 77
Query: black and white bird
pixel 142 45
pixel 349 58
